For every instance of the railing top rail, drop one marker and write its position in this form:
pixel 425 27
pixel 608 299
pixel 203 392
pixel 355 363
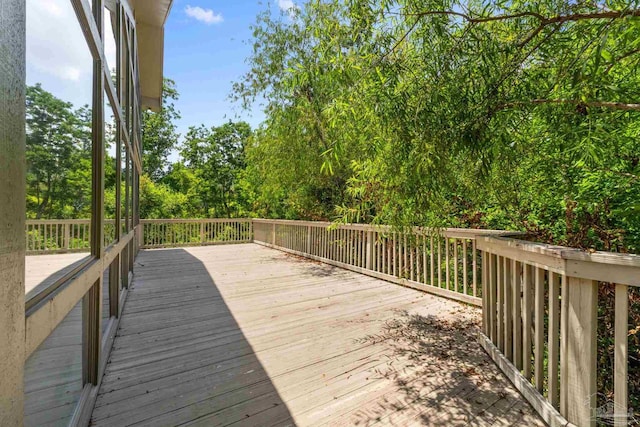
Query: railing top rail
pixel 468 233
pixel 614 267
pixel 602 266
pixel 563 252
pixel 57 221
pixel 193 220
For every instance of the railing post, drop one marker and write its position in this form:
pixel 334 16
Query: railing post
pixel 273 233
pixel 578 351
pixel 369 254
pixel 67 237
pixel 308 246
pixel 141 235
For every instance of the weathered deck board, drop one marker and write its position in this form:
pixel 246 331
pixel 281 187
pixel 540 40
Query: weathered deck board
pixel 247 335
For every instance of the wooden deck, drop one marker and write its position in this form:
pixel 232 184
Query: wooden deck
pixel 246 335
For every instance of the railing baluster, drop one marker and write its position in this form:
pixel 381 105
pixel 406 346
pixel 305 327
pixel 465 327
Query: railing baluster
pixel 527 307
pixel 325 233
pixel 358 243
pixel 431 265
pixel 516 283
pixel 66 236
pixel 411 259
pixel 455 265
pixel 621 356
pixel 508 308
pixel 395 258
pixel 333 246
pixel 553 395
pixel 500 302
pixel 493 291
pixel 485 299
pixel 425 259
pixel 474 267
pixel 418 260
pixel 378 243
pixel 447 245
pixel 439 262
pixel 384 248
pixel 464 267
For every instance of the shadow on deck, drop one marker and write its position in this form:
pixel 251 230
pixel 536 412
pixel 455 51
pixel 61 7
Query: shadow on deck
pixel 180 356
pixel 245 335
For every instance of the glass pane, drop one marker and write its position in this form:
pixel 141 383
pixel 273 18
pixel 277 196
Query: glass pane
pixel 126 208
pixel 131 182
pixel 53 374
pixel 129 194
pixel 110 41
pixel 123 190
pixel 110 184
pixel 58 128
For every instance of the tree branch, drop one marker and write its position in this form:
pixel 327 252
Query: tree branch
pixel 544 20
pixel 625 174
pixel 399 41
pixel 620 58
pixel 476 20
pixel 596 104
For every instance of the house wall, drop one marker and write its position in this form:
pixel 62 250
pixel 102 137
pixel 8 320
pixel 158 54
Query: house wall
pixel 12 210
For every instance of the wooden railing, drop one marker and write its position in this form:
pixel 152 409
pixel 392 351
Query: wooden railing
pixel 73 235
pixel 540 302
pixel 444 262
pixel 541 326
pixel 162 233
pixel 64 235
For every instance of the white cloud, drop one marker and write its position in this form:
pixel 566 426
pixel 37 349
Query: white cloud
pixel 287 6
pixel 207 16
pixel 55 43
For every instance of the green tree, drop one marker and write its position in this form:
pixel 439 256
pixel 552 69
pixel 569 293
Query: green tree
pixel 158 200
pixel 471 113
pixel 159 135
pixel 58 156
pixel 217 156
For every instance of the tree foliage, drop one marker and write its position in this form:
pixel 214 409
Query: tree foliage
pixel 493 114
pixel 159 133
pixel 501 114
pixel 216 157
pixel 58 156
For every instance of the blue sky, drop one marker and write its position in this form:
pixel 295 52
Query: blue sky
pixel 206 44
pixel 205 51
